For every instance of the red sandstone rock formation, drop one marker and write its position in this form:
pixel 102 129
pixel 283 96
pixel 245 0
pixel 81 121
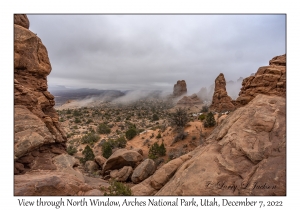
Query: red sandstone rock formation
pixel 221 101
pixel 42 166
pixel 179 88
pixel 268 80
pixel 246 152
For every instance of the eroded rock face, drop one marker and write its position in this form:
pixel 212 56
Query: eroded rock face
pixel 189 100
pixel 246 152
pixel 179 88
pixel 221 101
pixel 42 166
pixel 268 80
pixel 36 121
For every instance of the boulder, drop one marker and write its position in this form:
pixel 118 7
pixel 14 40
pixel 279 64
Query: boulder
pixel 100 160
pixel 245 155
pixel 93 192
pixel 143 171
pixel 121 158
pixel 122 174
pixel 155 182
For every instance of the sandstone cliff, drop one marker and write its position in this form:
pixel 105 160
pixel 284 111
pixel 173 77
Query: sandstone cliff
pixel 221 101
pixel 39 140
pixel 268 80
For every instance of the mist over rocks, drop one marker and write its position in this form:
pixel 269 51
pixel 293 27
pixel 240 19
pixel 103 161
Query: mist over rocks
pixel 190 100
pixel 179 88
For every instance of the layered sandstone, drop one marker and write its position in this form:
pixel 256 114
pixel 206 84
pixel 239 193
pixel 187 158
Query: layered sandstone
pixel 245 155
pixel 36 121
pixel 221 101
pixel 268 80
pixel 41 166
pixel 179 88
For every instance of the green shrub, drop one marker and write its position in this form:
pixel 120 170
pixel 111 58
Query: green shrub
pixel 89 121
pixel 120 142
pixel 131 133
pixel 118 189
pixel 210 120
pixel 179 118
pixel 90 138
pixel 76 113
pixel 68 111
pixel 71 150
pixel 157 150
pixel 77 120
pixel 110 144
pixel 204 109
pixel 88 154
pixel 202 117
pixel 106 149
pixel 158 136
pixel 155 117
pixel 103 129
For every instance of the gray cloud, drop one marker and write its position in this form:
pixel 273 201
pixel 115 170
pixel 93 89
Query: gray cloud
pixel 154 51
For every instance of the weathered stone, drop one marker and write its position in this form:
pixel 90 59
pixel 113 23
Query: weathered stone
pixel 122 174
pixel 143 171
pixel 121 158
pixel 155 182
pixel 100 160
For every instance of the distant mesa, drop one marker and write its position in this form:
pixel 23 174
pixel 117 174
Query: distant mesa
pixel 268 80
pixel 190 100
pixel 221 101
pixel 179 88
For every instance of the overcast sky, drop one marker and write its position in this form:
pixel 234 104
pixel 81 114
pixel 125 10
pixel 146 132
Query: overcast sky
pixel 125 52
